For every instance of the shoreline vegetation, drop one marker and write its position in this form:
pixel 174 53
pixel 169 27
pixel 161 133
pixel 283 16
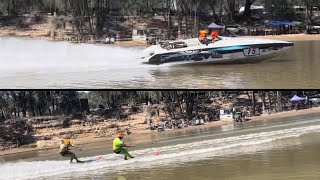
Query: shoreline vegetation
pixel 94 21
pixel 57 115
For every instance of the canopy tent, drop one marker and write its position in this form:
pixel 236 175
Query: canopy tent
pixel 297 98
pixel 280 23
pixel 215 26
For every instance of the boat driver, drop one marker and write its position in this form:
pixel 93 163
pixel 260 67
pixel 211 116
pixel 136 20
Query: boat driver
pixel 203 37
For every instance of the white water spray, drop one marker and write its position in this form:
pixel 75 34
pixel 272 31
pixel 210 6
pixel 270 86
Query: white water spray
pixel 40 56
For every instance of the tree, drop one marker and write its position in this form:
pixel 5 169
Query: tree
pixel 310 4
pixel 247 10
pixel 253 109
pixel 231 9
pixel 3 105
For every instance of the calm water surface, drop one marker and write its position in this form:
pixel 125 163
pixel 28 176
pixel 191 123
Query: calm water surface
pixel 41 64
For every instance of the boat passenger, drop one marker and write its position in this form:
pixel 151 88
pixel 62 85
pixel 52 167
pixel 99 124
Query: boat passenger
pixel 119 146
pixel 64 150
pixel 215 36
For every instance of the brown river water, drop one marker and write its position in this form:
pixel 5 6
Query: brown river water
pixel 41 64
pixel 286 148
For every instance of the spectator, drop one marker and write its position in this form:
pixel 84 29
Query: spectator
pixel 206 119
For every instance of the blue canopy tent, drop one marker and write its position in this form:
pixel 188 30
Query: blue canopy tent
pixel 297 98
pixel 280 23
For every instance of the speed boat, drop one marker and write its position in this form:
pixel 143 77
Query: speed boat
pixel 225 50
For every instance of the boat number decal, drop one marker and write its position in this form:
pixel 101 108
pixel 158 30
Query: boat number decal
pixel 251 52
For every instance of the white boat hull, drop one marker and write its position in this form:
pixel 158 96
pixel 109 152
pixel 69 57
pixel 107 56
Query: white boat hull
pixel 228 51
pixel 237 58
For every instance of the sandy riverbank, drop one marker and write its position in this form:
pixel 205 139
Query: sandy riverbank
pixel 42 32
pixel 138 136
pixel 290 37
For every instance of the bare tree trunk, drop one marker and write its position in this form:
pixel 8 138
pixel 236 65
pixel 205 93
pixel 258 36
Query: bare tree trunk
pixel 186 25
pixel 269 98
pixel 263 96
pixel 52 103
pixel 18 112
pixel 220 14
pixel 247 11
pixel 179 24
pixel 195 20
pixel 179 104
pixel 279 99
pixel 165 112
pixel 215 16
pixel 189 100
pixel 24 106
pixel 2 114
pixel 31 104
pixel 169 19
pixel 8 7
pixel 253 109
pixel 15 111
pixel 248 94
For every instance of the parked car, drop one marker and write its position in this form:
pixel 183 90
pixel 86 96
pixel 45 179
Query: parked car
pixel 236 29
pixel 314 30
pixel 161 127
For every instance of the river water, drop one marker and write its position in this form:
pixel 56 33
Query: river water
pixel 275 149
pixel 42 64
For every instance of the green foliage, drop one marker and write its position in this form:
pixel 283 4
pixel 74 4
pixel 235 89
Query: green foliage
pixel 14 104
pixel 95 17
pixel 176 104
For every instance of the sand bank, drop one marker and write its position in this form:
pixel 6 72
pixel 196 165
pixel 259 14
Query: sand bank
pixel 290 37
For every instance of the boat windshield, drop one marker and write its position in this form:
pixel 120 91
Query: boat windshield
pixel 210 40
pixel 173 45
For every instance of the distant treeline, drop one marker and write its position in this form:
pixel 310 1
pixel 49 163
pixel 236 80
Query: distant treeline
pixel 94 16
pixel 19 104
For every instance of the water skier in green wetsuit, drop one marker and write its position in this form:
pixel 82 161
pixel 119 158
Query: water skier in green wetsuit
pixel 120 148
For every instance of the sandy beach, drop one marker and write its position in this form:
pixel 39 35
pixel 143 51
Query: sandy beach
pixel 139 135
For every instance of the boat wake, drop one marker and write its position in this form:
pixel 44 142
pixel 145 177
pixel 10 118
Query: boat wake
pixel 38 56
pixel 148 158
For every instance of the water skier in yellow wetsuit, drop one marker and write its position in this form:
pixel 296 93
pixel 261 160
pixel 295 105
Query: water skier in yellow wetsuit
pixel 119 146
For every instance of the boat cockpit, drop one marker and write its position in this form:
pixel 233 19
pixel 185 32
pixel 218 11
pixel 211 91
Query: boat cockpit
pixel 183 44
pixel 173 45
